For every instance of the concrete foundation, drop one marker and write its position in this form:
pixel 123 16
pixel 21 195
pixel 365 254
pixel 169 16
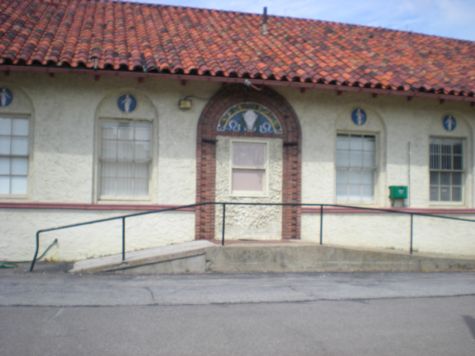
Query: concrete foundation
pixel 203 256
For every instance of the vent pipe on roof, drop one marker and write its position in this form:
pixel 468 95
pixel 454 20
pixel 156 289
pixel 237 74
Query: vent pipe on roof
pixel 264 22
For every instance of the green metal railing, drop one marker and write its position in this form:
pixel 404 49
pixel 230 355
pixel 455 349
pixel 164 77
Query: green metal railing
pixel 223 206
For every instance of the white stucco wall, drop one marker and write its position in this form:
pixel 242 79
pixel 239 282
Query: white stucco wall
pixel 64 110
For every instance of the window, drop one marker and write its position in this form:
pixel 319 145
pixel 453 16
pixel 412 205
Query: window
pixel 125 159
pixel 446 169
pixel 13 155
pixel 249 161
pixel 355 167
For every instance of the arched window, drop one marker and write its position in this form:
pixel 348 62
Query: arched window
pixel 359 137
pixel 15 126
pixel 125 127
pixel 249 118
pixel 449 144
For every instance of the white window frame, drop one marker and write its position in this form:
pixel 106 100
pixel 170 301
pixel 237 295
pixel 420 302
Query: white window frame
pixel 375 168
pixel 123 198
pixel 463 172
pixel 28 156
pixel 247 193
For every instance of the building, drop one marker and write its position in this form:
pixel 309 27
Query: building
pixel 112 107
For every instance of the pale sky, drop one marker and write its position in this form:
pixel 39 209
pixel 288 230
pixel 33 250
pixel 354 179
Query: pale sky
pixel 448 18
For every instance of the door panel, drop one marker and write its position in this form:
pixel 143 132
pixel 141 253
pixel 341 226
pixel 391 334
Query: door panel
pixel 249 170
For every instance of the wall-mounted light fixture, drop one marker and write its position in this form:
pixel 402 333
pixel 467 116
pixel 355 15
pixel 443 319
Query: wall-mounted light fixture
pixel 185 103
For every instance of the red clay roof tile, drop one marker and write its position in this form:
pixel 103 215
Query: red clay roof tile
pixel 169 39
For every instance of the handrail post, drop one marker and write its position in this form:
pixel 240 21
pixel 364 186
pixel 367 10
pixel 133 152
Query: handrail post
pixel 37 248
pixel 223 227
pixel 412 235
pixel 123 239
pixel 321 224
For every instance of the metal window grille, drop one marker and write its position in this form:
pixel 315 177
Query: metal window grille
pixel 446 169
pixel 355 167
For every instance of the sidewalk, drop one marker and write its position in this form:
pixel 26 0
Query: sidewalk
pixel 62 289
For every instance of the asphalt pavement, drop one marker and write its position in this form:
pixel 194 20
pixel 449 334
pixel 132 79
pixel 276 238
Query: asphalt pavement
pixel 244 314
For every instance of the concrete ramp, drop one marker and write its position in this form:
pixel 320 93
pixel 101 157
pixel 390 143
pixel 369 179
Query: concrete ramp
pixel 279 256
pixel 187 257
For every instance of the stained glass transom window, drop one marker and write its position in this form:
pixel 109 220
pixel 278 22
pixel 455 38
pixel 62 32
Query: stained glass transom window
pixel 249 118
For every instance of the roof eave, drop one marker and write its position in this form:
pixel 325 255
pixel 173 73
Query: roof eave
pixel 222 79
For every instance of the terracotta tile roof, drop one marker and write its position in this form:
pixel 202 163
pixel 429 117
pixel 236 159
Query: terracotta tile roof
pixel 168 39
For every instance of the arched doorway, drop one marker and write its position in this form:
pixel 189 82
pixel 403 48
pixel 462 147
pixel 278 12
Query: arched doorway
pixel 235 121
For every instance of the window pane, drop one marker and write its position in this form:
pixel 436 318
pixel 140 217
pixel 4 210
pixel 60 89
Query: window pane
pixel 18 185
pixel 20 166
pixel 4 185
pixel 445 193
pixel 445 178
pixel 458 148
pixel 457 178
pixel 354 177
pixel 125 170
pixel 342 158
pixel 434 178
pixel 368 144
pixel 356 158
pixel 5 126
pixel 367 192
pixel 248 180
pixel 456 194
pixel 434 156
pixel 354 192
pixel 142 151
pixel 341 176
pixel 143 131
pixel 109 150
pixel 4 166
pixel 458 162
pixel 341 190
pixel 125 151
pixel 249 154
pixel 125 131
pixel 109 130
pixel 141 187
pixel 5 143
pixel 20 127
pixel 368 159
pixel 141 171
pixel 20 146
pixel 434 193
pixel 356 143
pixel 342 142
pixel 108 186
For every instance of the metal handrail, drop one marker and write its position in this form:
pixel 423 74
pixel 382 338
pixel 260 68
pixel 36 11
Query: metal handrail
pixel 223 227
pixel 91 222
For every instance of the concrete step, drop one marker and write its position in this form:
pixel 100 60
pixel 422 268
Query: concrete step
pixel 180 258
pixel 270 256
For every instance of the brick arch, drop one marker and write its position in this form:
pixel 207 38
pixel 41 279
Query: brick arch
pixel 206 155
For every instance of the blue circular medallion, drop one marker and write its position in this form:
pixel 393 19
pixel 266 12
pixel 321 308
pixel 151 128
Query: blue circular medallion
pixel 6 97
pixel 127 103
pixel 358 116
pixel 449 122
